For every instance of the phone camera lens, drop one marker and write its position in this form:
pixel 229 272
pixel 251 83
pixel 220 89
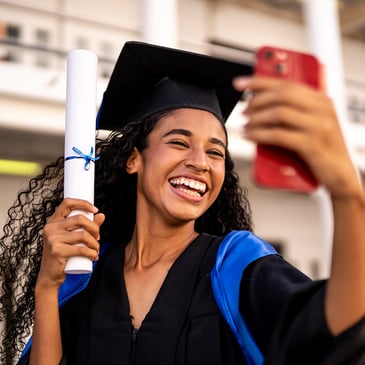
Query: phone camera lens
pixel 269 55
pixel 280 68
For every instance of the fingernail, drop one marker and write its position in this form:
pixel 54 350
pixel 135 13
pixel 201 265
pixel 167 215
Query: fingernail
pixel 241 82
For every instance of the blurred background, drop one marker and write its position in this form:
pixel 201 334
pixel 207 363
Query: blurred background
pixel 36 36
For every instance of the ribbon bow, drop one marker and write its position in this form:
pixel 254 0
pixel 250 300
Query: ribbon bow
pixel 88 158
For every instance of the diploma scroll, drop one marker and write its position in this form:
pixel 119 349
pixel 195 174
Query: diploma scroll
pixel 80 138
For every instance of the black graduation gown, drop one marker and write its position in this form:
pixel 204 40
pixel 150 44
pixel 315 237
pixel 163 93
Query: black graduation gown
pixel 284 310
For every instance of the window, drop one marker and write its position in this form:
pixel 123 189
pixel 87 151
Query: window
pixel 10 34
pixel 13 32
pixel 106 53
pixel 3 49
pixel 42 42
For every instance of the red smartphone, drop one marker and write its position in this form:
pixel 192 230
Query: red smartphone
pixel 275 167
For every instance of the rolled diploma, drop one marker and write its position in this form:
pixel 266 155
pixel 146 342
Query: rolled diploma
pixel 80 133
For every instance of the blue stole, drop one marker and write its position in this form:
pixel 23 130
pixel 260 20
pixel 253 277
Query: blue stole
pixel 237 250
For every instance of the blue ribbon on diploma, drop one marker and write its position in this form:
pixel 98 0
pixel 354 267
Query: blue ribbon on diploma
pixel 88 158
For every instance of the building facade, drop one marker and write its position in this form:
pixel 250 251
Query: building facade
pixel 36 36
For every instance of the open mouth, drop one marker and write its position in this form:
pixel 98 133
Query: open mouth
pixel 189 186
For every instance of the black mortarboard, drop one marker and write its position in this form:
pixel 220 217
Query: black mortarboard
pixel 148 79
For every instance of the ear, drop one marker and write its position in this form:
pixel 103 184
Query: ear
pixel 131 165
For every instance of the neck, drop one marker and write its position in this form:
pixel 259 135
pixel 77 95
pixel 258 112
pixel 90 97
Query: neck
pixel 148 248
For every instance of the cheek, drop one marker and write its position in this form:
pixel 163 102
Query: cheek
pixel 155 168
pixel 159 155
pixel 218 175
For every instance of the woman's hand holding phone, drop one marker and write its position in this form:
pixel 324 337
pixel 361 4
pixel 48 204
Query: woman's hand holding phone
pixel 275 166
pixel 295 124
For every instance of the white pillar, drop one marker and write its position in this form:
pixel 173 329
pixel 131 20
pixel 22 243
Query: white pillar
pixel 159 21
pixel 324 38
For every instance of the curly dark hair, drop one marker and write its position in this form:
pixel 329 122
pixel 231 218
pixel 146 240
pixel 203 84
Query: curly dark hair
pixel 115 196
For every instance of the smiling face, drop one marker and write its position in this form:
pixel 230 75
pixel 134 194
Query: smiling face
pixel 181 172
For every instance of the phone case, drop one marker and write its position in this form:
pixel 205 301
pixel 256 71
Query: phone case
pixel 275 167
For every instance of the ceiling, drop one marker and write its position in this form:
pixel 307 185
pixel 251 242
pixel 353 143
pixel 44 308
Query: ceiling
pixel 351 13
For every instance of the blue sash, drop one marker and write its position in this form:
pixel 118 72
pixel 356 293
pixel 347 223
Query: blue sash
pixel 236 251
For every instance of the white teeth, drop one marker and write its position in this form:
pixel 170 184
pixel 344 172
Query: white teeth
pixel 190 192
pixel 193 184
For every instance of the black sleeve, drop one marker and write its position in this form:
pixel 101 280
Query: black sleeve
pixel 284 310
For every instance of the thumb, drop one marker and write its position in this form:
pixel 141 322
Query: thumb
pixel 322 77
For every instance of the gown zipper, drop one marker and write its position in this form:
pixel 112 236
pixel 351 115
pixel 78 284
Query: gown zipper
pixel 133 344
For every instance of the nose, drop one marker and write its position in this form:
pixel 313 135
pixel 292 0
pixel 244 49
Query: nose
pixel 197 160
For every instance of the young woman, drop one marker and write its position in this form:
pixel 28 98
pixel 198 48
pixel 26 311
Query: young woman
pixel 166 196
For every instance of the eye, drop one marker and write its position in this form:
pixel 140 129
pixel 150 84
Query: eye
pixel 178 142
pixel 216 153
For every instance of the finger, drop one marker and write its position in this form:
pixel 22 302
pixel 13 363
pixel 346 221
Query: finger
pixel 83 237
pixel 284 138
pixel 279 117
pixel 80 221
pixel 267 92
pixel 285 93
pixel 99 219
pixel 322 77
pixel 62 234
pixel 64 239
pixel 71 223
pixel 62 249
pixel 242 83
pixel 70 204
pixel 262 83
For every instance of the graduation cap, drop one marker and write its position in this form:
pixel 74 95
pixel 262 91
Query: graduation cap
pixel 148 79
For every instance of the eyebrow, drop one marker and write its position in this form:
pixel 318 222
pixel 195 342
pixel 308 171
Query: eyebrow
pixel 188 133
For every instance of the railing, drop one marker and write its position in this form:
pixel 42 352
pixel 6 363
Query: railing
pixel 33 55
